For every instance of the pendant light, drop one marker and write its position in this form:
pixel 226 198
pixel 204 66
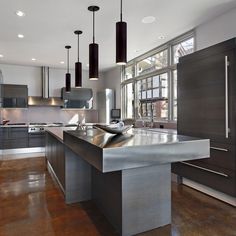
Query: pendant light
pixel 68 83
pixel 93 51
pixel 78 66
pixel 121 40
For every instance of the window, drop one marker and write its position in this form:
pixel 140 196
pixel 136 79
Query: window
pixel 152 99
pixel 128 104
pixel 182 49
pixel 129 72
pixel 155 62
pixel 151 92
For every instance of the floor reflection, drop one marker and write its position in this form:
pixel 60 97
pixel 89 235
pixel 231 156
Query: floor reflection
pixel 32 204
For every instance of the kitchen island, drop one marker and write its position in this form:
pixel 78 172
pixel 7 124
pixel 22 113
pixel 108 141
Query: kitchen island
pixel 127 176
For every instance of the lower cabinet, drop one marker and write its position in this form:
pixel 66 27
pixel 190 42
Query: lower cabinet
pixel 217 172
pixel 37 140
pixel 15 143
pixel 14 137
pixel 56 157
pixel 18 137
pixel 219 179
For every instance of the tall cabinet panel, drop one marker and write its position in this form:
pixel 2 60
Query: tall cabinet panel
pixel 206 109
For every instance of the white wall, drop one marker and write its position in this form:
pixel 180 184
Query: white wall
pixel 112 80
pixel 217 30
pixel 212 32
pixel 31 76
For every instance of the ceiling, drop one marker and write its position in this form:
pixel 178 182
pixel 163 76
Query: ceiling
pixel 49 25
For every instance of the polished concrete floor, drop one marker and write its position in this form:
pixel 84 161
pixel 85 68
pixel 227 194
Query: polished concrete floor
pixel 31 204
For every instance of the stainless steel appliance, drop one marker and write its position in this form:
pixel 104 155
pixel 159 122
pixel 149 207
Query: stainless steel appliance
pixel 105 103
pixel 38 128
pixel 78 98
pixel 35 128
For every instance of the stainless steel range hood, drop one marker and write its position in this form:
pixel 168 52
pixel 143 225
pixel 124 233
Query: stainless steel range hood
pixel 81 98
pixel 45 99
pixel 45 82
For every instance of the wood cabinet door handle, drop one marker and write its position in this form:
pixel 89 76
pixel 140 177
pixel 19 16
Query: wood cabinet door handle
pixel 219 149
pixel 206 169
pixel 226 99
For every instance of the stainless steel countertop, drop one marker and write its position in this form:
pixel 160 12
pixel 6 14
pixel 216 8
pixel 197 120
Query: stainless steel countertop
pixel 137 148
pixel 58 131
pixel 16 126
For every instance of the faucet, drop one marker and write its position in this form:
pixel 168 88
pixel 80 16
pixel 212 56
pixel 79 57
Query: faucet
pixel 81 126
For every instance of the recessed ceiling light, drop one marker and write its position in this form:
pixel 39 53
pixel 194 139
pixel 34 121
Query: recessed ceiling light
pixel 1 56
pixel 161 37
pixel 87 65
pixel 21 36
pixel 20 13
pixel 148 19
pixel 33 59
pixel 62 62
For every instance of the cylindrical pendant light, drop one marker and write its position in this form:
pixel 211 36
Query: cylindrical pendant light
pixel 78 66
pixel 121 40
pixel 68 83
pixel 93 51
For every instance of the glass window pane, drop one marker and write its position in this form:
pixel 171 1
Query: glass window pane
pixel 129 100
pixel 128 72
pixel 144 111
pixel 164 92
pixel 149 109
pixel 149 93
pixel 160 110
pixel 164 85
pixel 144 94
pixel 164 80
pixel 156 93
pixel 175 84
pixel 143 84
pixel 183 48
pixel 149 83
pixel 156 81
pixel 155 62
pixel 139 95
pixel 175 94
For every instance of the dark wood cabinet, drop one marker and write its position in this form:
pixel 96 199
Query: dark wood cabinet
pixel 18 137
pixel 56 157
pixel 206 109
pixel 14 137
pixel 37 140
pixel 14 95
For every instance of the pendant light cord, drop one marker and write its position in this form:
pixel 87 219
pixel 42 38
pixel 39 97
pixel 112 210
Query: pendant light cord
pixel 93 27
pixel 121 11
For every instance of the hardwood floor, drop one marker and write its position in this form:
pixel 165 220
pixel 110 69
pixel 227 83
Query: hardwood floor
pixel 31 204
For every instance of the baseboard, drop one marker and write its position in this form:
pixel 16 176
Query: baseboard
pixel 21 153
pixel 211 192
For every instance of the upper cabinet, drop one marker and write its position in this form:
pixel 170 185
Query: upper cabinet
pixel 14 96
